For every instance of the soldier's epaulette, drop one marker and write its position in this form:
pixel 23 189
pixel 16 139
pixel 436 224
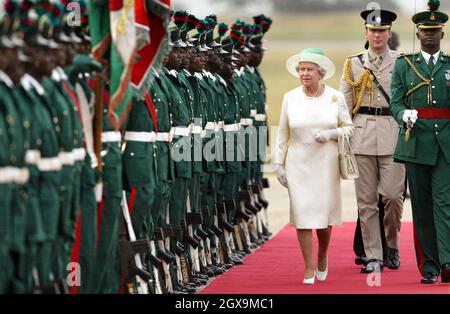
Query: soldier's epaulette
pixel 403 55
pixel 356 55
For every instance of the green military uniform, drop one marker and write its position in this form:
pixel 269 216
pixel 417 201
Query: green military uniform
pixel 140 168
pixel 77 75
pixel 213 167
pixel 258 113
pixel 166 167
pixel 46 181
pixel 78 153
pixel 418 85
pixel 34 226
pixel 7 132
pixel 232 152
pixel 5 209
pixel 106 271
pixel 181 111
pixel 60 112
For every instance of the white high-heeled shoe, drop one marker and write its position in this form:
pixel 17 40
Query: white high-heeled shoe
pixel 310 281
pixel 322 275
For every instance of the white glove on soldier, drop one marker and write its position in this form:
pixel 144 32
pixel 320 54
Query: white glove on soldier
pixel 281 175
pixel 326 135
pixel 411 115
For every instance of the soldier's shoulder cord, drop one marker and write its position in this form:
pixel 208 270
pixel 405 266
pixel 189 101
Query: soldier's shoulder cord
pixel 405 56
pixel 358 55
pixel 363 83
pixel 425 81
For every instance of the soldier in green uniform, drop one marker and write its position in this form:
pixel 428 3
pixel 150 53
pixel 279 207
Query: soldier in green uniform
pixel 27 222
pixel 106 270
pixel 11 135
pixel 420 93
pixel 80 74
pixel 46 180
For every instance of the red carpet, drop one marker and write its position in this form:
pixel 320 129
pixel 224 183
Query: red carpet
pixel 277 268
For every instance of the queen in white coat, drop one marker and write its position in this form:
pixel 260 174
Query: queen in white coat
pixel 313 116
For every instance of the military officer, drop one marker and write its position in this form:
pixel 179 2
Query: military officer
pixel 45 140
pixel 366 86
pixel 420 93
pixel 13 226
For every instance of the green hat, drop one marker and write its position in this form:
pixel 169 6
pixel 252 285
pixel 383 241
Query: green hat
pixel 314 55
pixel 433 18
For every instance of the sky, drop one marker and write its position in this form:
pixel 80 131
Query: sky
pixel 409 5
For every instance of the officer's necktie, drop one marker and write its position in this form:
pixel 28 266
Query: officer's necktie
pixel 378 61
pixel 431 64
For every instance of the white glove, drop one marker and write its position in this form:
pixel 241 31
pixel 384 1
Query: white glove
pixel 410 116
pixel 326 135
pixel 281 175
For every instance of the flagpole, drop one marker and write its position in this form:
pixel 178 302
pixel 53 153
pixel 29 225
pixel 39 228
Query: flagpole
pixel 409 123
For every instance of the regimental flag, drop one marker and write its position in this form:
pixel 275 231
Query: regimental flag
pixel 123 49
pixel 151 16
pixel 99 28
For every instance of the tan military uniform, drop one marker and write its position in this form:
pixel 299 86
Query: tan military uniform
pixel 374 142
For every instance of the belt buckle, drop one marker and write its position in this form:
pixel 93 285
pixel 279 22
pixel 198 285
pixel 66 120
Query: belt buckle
pixel 378 111
pixel 171 134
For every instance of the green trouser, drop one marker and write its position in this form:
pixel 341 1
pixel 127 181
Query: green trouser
pixel 430 200
pixel 177 206
pixel 181 149
pixel 18 233
pixel 230 186
pixel 106 271
pixel 162 199
pixel 65 236
pixel 88 226
pixel 76 207
pixel 35 229
pixel 194 188
pixel 139 164
pixel 6 265
pixel 208 196
pixel 49 254
pixel 262 147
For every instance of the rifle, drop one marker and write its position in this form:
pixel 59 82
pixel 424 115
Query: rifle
pixel 143 278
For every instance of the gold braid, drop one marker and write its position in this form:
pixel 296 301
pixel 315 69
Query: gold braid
pixel 424 83
pixel 364 82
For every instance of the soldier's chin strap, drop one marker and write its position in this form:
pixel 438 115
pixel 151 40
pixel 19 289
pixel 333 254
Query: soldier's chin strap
pixel 408 125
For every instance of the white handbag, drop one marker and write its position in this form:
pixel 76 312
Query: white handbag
pixel 347 160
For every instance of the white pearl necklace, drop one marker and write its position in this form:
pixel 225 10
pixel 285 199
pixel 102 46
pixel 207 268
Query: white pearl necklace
pixel 313 96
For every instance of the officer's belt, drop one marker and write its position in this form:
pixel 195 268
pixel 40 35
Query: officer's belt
pixel 181 130
pixel 66 158
pixel 260 117
pixel 148 137
pixel 210 126
pixel 79 154
pixel 49 164
pixel 32 156
pixel 14 175
pixel 196 129
pixel 433 113
pixel 219 125
pixel 232 127
pixel 111 137
pixel 246 122
pixel 164 136
pixel 375 111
